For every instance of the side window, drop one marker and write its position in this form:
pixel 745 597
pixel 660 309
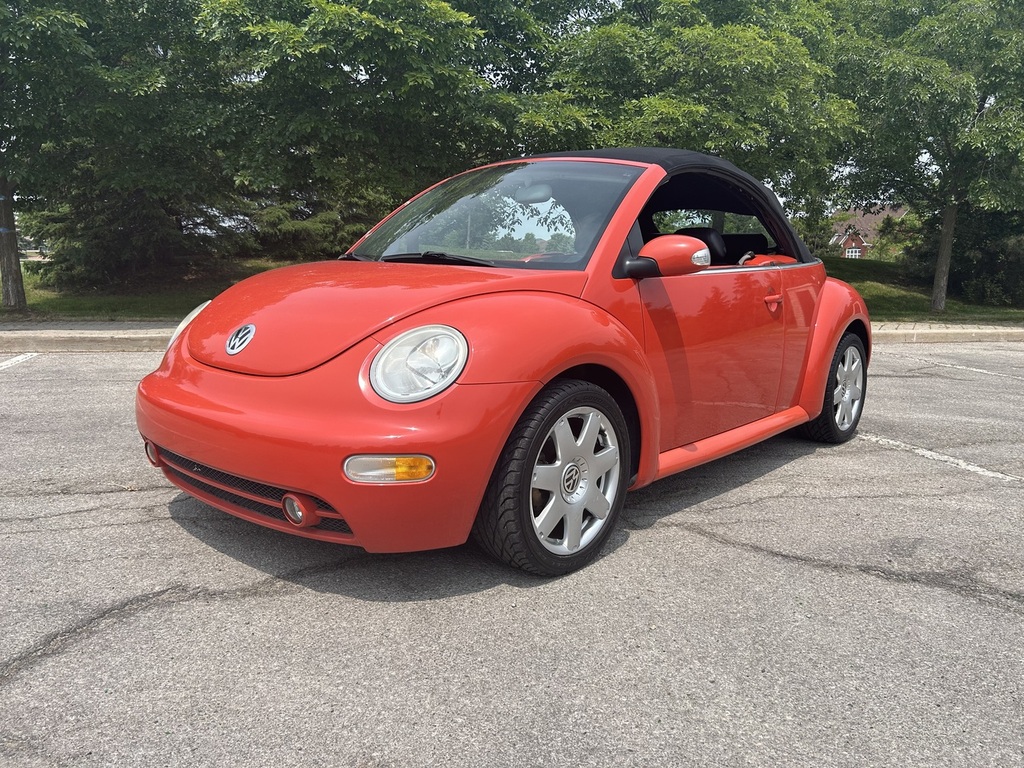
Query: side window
pixel 669 221
pixel 726 216
pixel 742 224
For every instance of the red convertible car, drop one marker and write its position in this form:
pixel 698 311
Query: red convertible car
pixel 506 355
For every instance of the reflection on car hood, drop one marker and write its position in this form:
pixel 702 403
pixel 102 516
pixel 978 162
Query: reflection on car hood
pixel 307 314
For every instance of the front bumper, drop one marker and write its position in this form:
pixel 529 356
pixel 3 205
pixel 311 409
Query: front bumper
pixel 239 442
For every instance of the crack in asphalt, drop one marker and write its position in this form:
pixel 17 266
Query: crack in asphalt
pixel 51 516
pixel 153 512
pixel 964 368
pixel 71 529
pixel 637 511
pixel 54 643
pixel 816 495
pixel 45 494
pixel 958 584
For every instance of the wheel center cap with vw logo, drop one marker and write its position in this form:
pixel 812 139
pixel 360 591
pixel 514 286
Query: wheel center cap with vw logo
pixel 575 480
pixel 240 339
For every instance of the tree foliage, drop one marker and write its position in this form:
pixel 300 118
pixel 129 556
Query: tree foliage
pixel 749 81
pixel 989 263
pixel 141 137
pixel 130 178
pixel 940 88
pixel 43 64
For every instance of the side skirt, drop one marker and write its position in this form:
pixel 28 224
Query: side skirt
pixel 717 446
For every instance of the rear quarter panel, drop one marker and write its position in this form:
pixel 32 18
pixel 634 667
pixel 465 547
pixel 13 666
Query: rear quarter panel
pixel 840 308
pixel 802 295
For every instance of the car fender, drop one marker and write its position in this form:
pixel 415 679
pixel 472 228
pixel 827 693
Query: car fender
pixel 840 308
pixel 537 337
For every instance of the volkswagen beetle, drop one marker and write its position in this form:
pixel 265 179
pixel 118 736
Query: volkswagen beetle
pixel 507 354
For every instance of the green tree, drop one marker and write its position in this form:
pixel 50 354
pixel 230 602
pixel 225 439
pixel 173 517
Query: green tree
pixel 896 237
pixel 816 231
pixel 43 65
pixel 560 242
pixel 749 81
pixel 516 55
pixel 142 186
pixel 940 90
pixel 190 127
pixel 343 109
pixel 114 150
pixel 989 268
pixel 528 243
pixel 518 36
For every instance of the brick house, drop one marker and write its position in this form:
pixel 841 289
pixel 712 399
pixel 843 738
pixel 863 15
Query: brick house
pixel 851 245
pixel 856 231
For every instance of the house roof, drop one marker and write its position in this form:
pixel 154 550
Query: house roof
pixel 865 223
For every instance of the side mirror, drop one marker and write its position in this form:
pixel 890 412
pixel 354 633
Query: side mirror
pixel 668 256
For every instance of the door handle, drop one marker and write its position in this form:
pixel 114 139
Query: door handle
pixel 775 298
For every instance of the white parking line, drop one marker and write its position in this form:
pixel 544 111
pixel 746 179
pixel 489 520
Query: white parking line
pixel 925 453
pixel 962 368
pixel 19 359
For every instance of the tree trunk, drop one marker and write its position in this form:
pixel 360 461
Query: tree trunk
pixel 10 267
pixel 945 257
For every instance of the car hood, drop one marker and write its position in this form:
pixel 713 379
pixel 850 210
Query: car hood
pixel 307 314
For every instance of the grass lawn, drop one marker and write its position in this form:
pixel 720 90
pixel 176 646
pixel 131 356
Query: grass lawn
pixel 166 302
pixel 881 284
pixel 889 298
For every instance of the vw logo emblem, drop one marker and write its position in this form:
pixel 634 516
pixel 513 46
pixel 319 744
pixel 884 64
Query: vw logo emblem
pixel 238 340
pixel 571 479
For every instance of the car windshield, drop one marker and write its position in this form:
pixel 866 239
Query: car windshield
pixel 532 214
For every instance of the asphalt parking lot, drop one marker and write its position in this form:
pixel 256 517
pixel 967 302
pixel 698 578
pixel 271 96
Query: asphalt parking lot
pixel 790 605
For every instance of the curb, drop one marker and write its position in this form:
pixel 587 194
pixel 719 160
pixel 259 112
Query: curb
pixel 145 340
pixel 948 334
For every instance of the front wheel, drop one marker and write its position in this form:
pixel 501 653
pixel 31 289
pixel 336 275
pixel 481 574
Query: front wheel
pixel 560 482
pixel 844 395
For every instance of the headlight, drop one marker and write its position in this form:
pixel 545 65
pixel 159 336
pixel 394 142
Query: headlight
pixel 184 323
pixel 419 363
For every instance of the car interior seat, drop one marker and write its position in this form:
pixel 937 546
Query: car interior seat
pixel 738 246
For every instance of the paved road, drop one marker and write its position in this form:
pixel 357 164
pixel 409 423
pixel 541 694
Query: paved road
pixel 793 604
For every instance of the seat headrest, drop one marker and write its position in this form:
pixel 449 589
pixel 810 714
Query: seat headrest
pixel 712 238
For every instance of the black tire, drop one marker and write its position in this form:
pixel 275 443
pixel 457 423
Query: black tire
pixel 844 394
pixel 565 464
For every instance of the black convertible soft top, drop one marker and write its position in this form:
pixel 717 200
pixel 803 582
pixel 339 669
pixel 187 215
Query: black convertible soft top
pixel 676 161
pixel 672 160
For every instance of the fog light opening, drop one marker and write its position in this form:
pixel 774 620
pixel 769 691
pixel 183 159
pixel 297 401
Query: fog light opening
pixel 389 469
pixel 153 455
pixel 300 511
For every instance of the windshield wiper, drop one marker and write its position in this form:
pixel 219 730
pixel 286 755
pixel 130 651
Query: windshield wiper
pixel 354 257
pixel 437 257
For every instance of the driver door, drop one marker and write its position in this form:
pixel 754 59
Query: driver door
pixel 715 340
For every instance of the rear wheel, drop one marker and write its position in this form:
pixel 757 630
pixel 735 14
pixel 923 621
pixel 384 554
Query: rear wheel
pixel 560 483
pixel 844 394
